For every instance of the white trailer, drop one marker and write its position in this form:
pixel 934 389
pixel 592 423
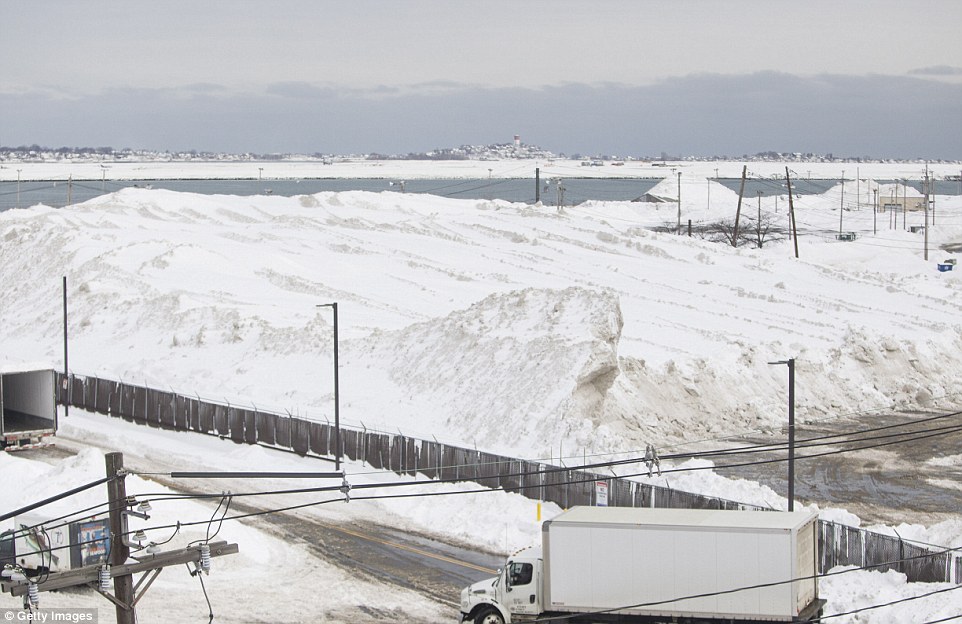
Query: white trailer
pixel 620 564
pixel 28 407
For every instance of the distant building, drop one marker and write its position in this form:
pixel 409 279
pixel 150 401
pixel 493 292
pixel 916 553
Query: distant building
pixel 899 197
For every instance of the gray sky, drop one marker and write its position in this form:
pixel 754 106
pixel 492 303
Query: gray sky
pixel 880 78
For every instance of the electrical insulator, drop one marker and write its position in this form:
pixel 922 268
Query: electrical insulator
pixel 104 578
pixel 33 593
pixel 205 558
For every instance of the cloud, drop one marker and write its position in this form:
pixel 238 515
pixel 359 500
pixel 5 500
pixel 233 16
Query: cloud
pixel 300 90
pixel 702 114
pixel 937 70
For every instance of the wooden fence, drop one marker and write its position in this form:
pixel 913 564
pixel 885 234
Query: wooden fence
pixel 566 487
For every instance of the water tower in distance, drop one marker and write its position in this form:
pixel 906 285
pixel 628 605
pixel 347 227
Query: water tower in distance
pixel 517 141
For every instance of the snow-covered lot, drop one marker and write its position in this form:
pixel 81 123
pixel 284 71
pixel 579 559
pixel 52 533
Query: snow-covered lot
pixel 525 330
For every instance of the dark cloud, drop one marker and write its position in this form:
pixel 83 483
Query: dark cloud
pixel 706 114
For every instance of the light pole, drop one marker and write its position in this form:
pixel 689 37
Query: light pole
pixel 337 402
pixel 791 430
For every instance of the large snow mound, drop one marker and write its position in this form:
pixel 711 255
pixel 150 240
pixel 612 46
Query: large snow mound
pixel 521 329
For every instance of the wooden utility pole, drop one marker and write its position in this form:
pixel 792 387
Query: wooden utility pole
pixel 841 204
pixel 125 595
pixel 925 227
pixel 66 368
pixel 678 228
pixel 119 551
pixel 791 210
pixel 738 211
pixel 875 212
pixel 758 224
pixel 905 189
pixel 537 184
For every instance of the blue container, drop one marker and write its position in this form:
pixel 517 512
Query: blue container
pixel 945 267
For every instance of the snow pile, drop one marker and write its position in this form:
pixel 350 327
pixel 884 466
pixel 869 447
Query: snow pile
pixel 541 360
pixel 656 338
pixel 525 330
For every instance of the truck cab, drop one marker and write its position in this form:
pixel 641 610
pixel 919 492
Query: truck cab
pixel 508 597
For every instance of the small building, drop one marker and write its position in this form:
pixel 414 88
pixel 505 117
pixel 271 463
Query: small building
pixel 898 198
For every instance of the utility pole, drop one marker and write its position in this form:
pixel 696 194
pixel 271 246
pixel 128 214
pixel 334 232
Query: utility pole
pixel 69 187
pixel 119 551
pixel 925 227
pixel 905 188
pixel 738 211
pixel 18 188
pixel 758 225
pixel 894 217
pixel 791 434
pixel 858 196
pixel 537 184
pixel 875 212
pixel 66 368
pixel 678 228
pixel 791 211
pixel 99 575
pixel 841 205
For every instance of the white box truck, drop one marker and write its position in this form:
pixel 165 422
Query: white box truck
pixel 628 565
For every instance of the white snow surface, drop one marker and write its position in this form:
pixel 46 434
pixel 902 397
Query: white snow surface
pixel 521 329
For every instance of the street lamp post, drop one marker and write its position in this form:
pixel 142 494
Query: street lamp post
pixel 791 430
pixel 337 402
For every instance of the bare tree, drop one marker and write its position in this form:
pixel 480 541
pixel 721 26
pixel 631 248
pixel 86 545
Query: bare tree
pixel 765 230
pixel 757 233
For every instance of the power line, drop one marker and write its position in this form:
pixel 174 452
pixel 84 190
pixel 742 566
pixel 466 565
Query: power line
pixel 904 437
pixel 54 498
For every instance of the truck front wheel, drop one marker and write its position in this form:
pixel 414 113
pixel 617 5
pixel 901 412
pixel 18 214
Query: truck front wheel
pixel 489 615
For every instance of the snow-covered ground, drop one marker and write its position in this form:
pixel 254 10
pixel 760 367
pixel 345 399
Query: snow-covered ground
pixel 414 169
pixel 520 329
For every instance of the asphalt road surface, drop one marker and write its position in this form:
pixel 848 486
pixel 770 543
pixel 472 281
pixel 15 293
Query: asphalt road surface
pixel 891 484
pixel 376 552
